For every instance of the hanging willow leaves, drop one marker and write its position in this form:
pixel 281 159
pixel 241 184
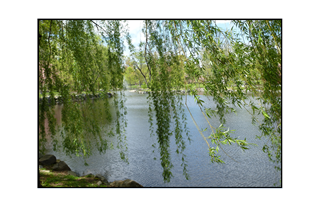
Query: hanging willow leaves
pixel 72 61
pixel 234 67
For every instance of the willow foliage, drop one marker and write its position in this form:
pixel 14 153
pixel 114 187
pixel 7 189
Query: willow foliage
pixel 231 71
pixel 84 55
pixel 74 59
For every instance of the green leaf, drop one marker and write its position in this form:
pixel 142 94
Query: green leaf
pixel 265 114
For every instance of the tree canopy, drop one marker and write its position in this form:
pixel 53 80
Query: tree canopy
pixel 78 56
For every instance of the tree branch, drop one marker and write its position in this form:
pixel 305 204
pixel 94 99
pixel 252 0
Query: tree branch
pixel 99 26
pixel 145 52
pixel 145 79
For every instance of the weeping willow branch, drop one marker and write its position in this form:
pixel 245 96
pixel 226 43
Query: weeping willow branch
pixel 145 52
pixel 275 41
pixel 99 27
pixel 49 44
pixel 214 133
pixel 195 123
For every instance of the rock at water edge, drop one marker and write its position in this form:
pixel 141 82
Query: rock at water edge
pixel 73 173
pixel 125 184
pixel 102 178
pixel 60 166
pixel 47 160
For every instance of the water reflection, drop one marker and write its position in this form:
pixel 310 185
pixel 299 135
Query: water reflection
pixel 252 169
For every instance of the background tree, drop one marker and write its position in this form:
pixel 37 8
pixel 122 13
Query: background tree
pixel 130 76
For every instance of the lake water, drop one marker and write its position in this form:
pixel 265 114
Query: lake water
pixel 253 168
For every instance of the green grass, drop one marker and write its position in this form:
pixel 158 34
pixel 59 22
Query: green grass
pixel 49 178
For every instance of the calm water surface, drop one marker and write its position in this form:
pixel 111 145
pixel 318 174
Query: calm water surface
pixel 252 169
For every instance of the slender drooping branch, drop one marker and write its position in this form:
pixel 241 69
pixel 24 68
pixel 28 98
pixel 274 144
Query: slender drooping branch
pixel 99 26
pixel 145 51
pixel 195 123
pixel 49 42
pixel 275 41
pixel 47 64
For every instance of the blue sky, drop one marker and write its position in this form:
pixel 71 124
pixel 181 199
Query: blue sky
pixel 135 27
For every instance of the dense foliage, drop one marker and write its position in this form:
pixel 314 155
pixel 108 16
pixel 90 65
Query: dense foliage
pixel 74 59
pixel 232 66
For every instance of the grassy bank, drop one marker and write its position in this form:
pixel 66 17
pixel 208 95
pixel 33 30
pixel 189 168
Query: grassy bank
pixel 49 178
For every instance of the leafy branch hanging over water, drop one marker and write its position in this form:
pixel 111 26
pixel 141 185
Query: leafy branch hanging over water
pixel 74 59
pixel 86 55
